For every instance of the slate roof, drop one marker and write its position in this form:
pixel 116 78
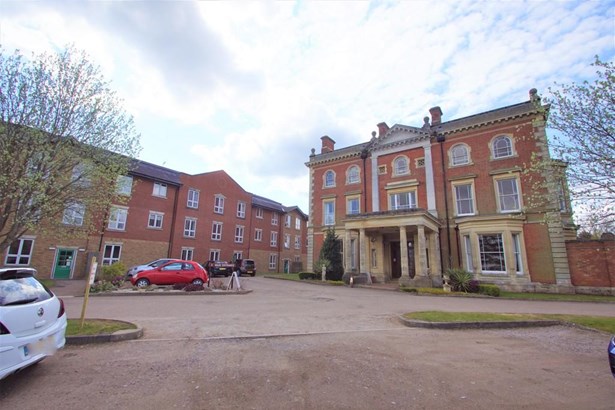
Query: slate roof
pixel 155 172
pixel 267 203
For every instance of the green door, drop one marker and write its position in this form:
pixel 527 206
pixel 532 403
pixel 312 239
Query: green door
pixel 64 263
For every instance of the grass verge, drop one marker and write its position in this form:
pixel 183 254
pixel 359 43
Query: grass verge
pixel 604 324
pixel 96 327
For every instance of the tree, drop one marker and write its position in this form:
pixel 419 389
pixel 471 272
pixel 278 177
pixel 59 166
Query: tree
pixel 331 255
pixel 64 142
pixel 584 117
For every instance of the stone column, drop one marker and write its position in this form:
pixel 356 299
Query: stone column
pixel 363 250
pixel 403 253
pixel 347 252
pixel 421 263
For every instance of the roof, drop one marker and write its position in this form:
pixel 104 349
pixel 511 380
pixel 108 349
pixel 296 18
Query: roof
pixel 156 172
pixel 267 203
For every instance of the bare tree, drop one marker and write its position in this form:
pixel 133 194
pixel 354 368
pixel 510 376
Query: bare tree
pixel 64 142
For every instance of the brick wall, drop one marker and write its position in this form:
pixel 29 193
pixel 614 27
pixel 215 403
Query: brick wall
pixel 592 263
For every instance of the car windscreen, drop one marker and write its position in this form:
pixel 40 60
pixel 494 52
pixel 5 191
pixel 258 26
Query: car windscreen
pixel 19 291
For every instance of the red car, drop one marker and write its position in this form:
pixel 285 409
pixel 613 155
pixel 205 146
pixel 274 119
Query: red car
pixel 170 273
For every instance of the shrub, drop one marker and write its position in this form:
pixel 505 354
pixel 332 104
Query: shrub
pixel 102 286
pixel 179 286
pixel 309 276
pixel 193 287
pixel 473 286
pixel 490 290
pixel 110 272
pixel 459 279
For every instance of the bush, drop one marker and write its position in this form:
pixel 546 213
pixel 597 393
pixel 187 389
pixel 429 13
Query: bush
pixel 490 290
pixel 102 286
pixel 179 286
pixel 473 286
pixel 310 276
pixel 460 280
pixel 111 272
pixel 193 287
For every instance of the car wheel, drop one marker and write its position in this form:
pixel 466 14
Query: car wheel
pixel 142 283
pixel 197 282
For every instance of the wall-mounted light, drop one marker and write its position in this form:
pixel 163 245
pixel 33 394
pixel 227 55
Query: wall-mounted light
pixel 373 239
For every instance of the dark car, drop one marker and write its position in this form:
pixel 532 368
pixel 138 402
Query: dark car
pixel 611 350
pixel 247 267
pixel 170 273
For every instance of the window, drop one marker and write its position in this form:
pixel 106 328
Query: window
pixel 237 255
pixel 189 227
pixel 241 209
pixel 219 204
pixel 124 185
pixel 117 219
pixel 502 147
pixel 239 234
pixel 258 235
pixel 402 200
pixel 382 169
pixel 352 175
pixel 352 206
pixel 111 254
pixel 464 199
pixel 297 224
pixel 561 198
pixel 214 255
pixel 73 214
pixel 353 254
pixel 259 213
pixel 459 155
pixel 287 221
pixel 400 166
pixel 329 212
pixel 468 249
pixel 155 220
pixel 274 218
pixel 508 195
pixel 79 176
pixel 273 261
pixel 517 248
pixel 20 252
pixel 286 241
pixel 420 162
pixel 329 179
pixel 274 239
pixel 297 242
pixel 492 253
pixel 193 198
pixel 160 190
pixel 216 231
pixel 187 254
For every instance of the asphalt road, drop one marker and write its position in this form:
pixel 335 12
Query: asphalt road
pixel 289 345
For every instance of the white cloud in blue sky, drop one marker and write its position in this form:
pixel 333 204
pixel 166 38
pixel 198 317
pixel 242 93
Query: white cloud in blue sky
pixel 250 87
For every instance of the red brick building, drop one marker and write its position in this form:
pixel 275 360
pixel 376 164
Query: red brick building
pixel 168 214
pixel 414 201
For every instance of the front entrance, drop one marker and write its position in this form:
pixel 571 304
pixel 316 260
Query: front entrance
pixel 64 263
pixel 286 266
pixel 395 261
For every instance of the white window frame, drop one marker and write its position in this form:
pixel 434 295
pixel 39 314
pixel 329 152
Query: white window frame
pixel 459 201
pixel 110 260
pixel 118 217
pixel 288 219
pixel 468 253
pixel 239 232
pixel 216 231
pixel 190 227
pixel 214 254
pixel 237 255
pixel 350 210
pixel 74 214
pixel 457 160
pixel 159 190
pixel 503 198
pixel 157 218
pixel 219 204
pixel 193 198
pixel 353 175
pixel 297 242
pixel 518 253
pixel 297 224
pixel 498 151
pixel 241 209
pixel 274 218
pixel 15 254
pixel 273 239
pixel 401 166
pixel 328 212
pixel 258 235
pixel 273 261
pixel 395 200
pixel 501 252
pixel 287 241
pixel 259 213
pixel 187 254
pixel 124 185
pixel 329 179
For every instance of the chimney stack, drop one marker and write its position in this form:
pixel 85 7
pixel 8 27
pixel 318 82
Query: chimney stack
pixel 383 128
pixel 328 144
pixel 436 116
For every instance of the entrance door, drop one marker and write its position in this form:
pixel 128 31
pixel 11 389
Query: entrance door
pixel 286 266
pixel 64 263
pixel 411 266
pixel 395 261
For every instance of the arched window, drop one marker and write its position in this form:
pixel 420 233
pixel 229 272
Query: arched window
pixel 502 147
pixel 329 179
pixel 400 166
pixel 460 155
pixel 352 175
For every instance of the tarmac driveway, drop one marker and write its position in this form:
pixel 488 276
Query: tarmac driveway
pixel 295 346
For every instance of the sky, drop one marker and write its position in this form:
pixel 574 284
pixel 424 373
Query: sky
pixel 250 87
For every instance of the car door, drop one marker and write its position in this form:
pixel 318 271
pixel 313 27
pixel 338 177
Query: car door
pixel 170 273
pixel 188 272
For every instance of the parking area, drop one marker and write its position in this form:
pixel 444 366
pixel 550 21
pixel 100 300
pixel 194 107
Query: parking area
pixel 296 346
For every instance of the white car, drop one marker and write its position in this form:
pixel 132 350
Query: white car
pixel 150 265
pixel 32 320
